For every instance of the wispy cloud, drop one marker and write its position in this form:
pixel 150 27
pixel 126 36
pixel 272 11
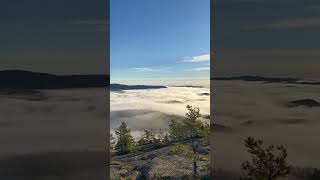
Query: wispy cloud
pixel 149 69
pixel 199 69
pixel 312 22
pixel 195 59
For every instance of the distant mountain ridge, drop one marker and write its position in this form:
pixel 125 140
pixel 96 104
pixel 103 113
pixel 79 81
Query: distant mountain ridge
pixel 267 79
pixel 257 78
pixel 120 87
pixel 19 79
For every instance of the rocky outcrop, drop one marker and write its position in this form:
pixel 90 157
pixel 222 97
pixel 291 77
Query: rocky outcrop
pixel 158 163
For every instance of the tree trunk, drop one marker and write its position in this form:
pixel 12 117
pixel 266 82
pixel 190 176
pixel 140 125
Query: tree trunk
pixel 195 168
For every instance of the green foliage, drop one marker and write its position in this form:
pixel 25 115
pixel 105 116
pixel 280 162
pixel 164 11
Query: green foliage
pixel 191 123
pixel 207 116
pixel 176 131
pixel 142 141
pixel 166 138
pixel 112 141
pixel 205 132
pixel 125 143
pixel 267 164
pixel 148 138
pixel 192 129
pixel 183 149
pixel 158 139
pixel 180 149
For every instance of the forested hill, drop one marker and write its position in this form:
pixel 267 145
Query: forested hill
pixel 120 87
pixel 18 79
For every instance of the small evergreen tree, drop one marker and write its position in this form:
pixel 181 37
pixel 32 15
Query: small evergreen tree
pixel 149 137
pixel 125 143
pixel 112 141
pixel 205 132
pixel 158 139
pixel 266 164
pixel 166 138
pixel 142 141
pixel 176 131
pixel 192 129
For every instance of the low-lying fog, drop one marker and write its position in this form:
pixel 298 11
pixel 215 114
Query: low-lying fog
pixel 262 110
pixel 49 130
pixel 154 108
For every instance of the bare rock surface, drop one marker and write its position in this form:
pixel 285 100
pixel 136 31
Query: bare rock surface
pixel 157 163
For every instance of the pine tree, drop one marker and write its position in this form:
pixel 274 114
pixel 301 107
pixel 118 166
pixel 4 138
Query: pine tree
pixel 267 164
pixel 125 143
pixel 166 138
pixel 148 136
pixel 193 127
pixel 142 141
pixel 158 139
pixel 176 131
pixel 112 141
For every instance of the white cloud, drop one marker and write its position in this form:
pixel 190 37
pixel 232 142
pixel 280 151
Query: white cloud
pixel 199 69
pixel 194 59
pixel 148 69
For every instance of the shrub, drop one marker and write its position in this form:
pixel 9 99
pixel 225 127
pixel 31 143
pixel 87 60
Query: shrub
pixel 266 164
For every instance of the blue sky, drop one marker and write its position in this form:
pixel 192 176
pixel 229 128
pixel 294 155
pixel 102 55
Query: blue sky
pixel 167 38
pixel 151 38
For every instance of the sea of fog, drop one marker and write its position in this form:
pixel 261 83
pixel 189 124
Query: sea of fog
pixel 205 82
pixel 153 109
